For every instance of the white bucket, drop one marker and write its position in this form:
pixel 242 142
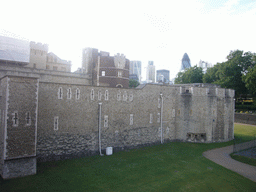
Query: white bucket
pixel 109 150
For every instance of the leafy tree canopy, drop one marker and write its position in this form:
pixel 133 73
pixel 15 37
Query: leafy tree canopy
pixel 190 75
pixel 133 83
pixel 250 80
pixel 229 74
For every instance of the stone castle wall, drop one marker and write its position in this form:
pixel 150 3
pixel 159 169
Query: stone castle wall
pixel 130 117
pixel 245 118
pixel 64 119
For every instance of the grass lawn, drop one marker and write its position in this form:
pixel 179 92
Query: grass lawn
pixel 169 167
pixel 244 133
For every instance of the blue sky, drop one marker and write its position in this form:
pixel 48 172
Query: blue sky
pixel 161 31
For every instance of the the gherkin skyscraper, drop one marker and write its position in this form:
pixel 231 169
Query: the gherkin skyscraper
pixel 185 62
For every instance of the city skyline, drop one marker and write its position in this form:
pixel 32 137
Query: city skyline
pixel 159 31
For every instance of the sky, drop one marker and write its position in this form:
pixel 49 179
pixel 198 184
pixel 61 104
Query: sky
pixel 160 31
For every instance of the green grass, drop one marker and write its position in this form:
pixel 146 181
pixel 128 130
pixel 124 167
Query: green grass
pixel 243 159
pixel 169 167
pixel 244 133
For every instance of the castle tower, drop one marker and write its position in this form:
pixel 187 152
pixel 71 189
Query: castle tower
pixel 38 55
pixel 18 127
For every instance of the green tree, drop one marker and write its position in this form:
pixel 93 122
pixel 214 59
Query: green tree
pixel 211 74
pixel 133 83
pixel 250 80
pixel 190 75
pixel 230 74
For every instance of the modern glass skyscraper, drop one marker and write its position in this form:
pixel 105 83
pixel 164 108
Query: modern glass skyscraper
pixel 185 63
pixel 151 72
pixel 135 69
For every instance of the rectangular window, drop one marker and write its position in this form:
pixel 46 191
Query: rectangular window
pixel 118 96
pixel 131 97
pixel 105 121
pixel 125 96
pixel 47 67
pixel 15 119
pixel 92 94
pixel 119 73
pixel 69 93
pixel 63 68
pixel 28 119
pixel 150 118
pixel 34 65
pixel 77 94
pixel 103 73
pixel 60 93
pixel 173 112
pixel 159 103
pixel 131 119
pixel 99 95
pixel 55 68
pixel 56 123
pixel 158 117
pixel 178 112
pixel 106 95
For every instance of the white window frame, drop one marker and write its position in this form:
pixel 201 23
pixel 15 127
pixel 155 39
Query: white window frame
pixel 150 118
pixel 69 93
pixel 131 119
pixel 131 97
pixel 15 123
pixel 125 96
pixel 105 120
pixel 60 93
pixel 159 103
pixel 26 119
pixel 119 73
pixel 77 93
pixel 103 73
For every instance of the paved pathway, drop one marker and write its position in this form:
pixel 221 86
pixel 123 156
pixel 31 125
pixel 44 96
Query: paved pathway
pixel 221 157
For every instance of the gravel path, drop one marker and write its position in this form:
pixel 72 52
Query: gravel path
pixel 221 157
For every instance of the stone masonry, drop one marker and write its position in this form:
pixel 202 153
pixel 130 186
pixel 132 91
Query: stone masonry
pixel 48 120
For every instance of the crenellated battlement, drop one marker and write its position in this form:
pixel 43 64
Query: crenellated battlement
pixel 38 46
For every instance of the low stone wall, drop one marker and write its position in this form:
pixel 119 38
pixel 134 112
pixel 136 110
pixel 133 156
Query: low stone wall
pixel 245 118
pixel 19 167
